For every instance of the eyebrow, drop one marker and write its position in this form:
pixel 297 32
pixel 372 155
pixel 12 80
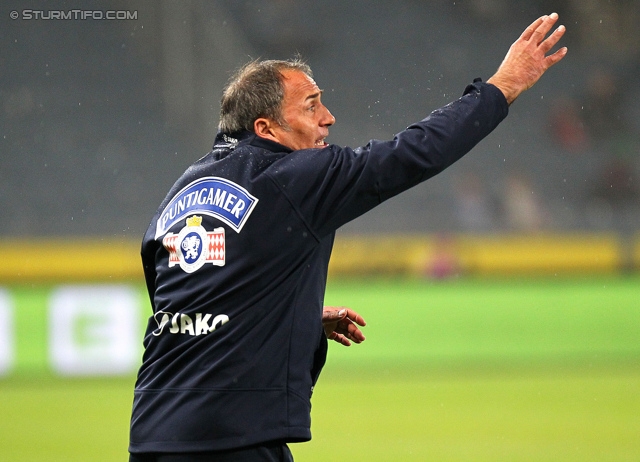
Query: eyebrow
pixel 314 96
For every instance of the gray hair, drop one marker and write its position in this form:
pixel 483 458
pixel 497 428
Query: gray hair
pixel 256 90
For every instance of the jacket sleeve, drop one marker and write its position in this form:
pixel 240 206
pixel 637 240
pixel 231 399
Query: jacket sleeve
pixel 336 185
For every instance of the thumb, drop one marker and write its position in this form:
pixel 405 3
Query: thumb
pixel 334 315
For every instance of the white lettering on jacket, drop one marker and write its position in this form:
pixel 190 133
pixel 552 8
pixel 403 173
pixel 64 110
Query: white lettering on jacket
pixel 180 323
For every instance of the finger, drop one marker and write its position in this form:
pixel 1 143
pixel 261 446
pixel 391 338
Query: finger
pixel 351 331
pixel 528 32
pixel 543 29
pixel 341 339
pixel 355 317
pixel 554 58
pixel 329 315
pixel 551 41
pixel 356 336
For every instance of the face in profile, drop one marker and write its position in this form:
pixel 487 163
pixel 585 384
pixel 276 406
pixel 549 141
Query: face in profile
pixel 307 119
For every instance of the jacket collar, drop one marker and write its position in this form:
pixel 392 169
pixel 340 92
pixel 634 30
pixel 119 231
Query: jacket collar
pixel 232 140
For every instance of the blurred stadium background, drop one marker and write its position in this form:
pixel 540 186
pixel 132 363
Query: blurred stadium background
pixel 516 271
pixel 100 116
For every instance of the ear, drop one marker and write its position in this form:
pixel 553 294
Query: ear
pixel 264 128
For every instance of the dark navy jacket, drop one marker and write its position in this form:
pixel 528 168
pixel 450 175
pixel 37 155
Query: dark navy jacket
pixel 236 262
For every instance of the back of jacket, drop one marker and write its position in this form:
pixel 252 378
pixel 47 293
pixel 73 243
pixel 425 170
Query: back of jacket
pixel 236 261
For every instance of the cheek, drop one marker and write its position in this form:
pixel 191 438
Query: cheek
pixel 306 130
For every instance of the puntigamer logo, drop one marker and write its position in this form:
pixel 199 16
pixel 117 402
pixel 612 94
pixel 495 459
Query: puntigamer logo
pixel 213 196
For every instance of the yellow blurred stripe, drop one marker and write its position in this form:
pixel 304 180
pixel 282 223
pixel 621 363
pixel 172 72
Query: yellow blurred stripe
pixel 69 260
pixel 495 254
pixel 547 253
pixel 107 259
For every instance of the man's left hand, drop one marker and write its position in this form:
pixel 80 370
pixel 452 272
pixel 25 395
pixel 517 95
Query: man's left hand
pixel 340 325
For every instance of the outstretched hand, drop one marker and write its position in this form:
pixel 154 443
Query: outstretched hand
pixel 340 325
pixel 527 58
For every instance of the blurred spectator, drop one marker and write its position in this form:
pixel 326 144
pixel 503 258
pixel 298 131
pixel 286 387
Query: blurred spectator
pixel 474 209
pixel 603 114
pixel 607 28
pixel 443 262
pixel 615 184
pixel 522 208
pixel 612 188
pixel 567 126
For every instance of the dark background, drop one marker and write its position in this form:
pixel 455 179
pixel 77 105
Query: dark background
pixel 98 118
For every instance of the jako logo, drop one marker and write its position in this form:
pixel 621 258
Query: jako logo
pixel 183 324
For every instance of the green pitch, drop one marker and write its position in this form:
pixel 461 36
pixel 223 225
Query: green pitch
pixel 451 371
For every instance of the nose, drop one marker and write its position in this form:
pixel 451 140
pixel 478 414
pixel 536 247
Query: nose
pixel 328 119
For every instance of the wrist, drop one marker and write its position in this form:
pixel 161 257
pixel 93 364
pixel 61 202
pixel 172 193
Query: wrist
pixel 507 90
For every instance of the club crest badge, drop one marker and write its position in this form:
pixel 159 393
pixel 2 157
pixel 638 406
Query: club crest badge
pixel 194 246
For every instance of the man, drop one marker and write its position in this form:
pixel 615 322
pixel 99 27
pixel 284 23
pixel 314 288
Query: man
pixel 236 257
